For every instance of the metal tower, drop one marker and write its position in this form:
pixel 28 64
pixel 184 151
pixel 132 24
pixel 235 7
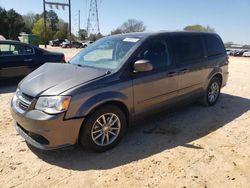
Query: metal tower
pixel 93 20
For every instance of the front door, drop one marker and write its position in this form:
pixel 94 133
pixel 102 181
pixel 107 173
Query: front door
pixel 16 60
pixel 153 89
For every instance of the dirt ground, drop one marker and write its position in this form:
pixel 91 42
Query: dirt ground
pixel 193 146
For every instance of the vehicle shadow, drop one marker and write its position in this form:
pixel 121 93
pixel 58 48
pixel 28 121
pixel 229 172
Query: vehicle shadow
pixel 9 85
pixel 156 134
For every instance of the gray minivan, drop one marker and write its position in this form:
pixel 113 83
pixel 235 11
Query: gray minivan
pixel 95 96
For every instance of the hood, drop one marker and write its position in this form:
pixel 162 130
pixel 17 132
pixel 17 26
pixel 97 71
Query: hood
pixel 55 78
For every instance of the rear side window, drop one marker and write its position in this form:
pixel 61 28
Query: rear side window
pixel 188 48
pixel 214 45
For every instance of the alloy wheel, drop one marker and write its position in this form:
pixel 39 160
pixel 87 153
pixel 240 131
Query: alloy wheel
pixel 213 92
pixel 106 129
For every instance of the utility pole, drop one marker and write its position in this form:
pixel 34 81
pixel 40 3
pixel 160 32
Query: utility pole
pixel 79 23
pixel 93 19
pixel 50 2
pixel 44 22
pixel 69 22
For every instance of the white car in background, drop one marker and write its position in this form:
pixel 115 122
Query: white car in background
pixel 246 54
pixel 87 43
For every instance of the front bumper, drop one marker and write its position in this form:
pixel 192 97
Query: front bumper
pixel 46 131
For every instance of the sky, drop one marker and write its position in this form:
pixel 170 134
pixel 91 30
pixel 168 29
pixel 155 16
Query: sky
pixel 229 18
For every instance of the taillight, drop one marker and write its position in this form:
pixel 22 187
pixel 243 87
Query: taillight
pixel 227 59
pixel 63 59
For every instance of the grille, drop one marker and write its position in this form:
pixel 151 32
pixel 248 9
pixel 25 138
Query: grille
pixel 24 101
pixel 27 97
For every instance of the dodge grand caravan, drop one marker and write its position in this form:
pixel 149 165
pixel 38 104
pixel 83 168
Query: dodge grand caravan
pixel 95 96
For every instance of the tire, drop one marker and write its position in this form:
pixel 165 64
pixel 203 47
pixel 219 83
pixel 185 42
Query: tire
pixel 93 134
pixel 213 88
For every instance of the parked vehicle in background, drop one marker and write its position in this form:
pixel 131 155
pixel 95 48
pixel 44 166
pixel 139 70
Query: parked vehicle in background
pixel 94 98
pixel 56 42
pixel 229 52
pixel 19 59
pixel 246 54
pixel 86 43
pixel 238 53
pixel 2 37
pixel 73 44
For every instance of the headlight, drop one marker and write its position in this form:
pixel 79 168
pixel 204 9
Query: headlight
pixel 18 92
pixel 53 104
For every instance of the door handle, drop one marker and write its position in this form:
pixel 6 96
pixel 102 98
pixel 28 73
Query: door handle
pixel 26 60
pixel 171 74
pixel 183 71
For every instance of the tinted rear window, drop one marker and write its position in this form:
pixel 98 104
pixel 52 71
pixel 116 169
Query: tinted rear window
pixel 188 48
pixel 214 45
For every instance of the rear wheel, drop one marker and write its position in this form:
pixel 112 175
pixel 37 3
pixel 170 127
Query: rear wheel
pixel 212 93
pixel 103 129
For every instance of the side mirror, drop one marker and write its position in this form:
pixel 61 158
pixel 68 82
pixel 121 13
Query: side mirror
pixel 143 66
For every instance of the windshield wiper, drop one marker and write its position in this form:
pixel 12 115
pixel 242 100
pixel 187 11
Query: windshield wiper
pixel 79 65
pixel 107 72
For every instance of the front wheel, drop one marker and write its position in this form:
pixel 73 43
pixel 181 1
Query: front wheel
pixel 103 129
pixel 212 93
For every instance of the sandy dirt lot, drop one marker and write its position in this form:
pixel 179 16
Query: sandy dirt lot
pixel 193 146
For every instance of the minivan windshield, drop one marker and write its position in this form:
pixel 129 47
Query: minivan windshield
pixel 106 53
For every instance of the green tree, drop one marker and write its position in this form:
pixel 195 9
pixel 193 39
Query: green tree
pixel 15 24
pixel 82 34
pixel 199 28
pixel 60 35
pixel 38 30
pixel 3 22
pixel 94 37
pixel 29 20
pixel 63 27
pixel 53 20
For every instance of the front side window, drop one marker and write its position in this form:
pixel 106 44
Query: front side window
pixel 28 50
pixel 106 53
pixel 5 49
pixel 157 53
pixel 10 49
pixel 188 48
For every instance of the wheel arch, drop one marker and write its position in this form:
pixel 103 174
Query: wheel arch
pixel 107 98
pixel 217 72
pixel 117 103
pixel 219 76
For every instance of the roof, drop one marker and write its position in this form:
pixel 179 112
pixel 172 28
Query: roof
pixel 17 42
pixel 13 42
pixel 147 34
pixel 2 37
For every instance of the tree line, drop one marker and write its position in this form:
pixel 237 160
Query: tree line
pixel 12 24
